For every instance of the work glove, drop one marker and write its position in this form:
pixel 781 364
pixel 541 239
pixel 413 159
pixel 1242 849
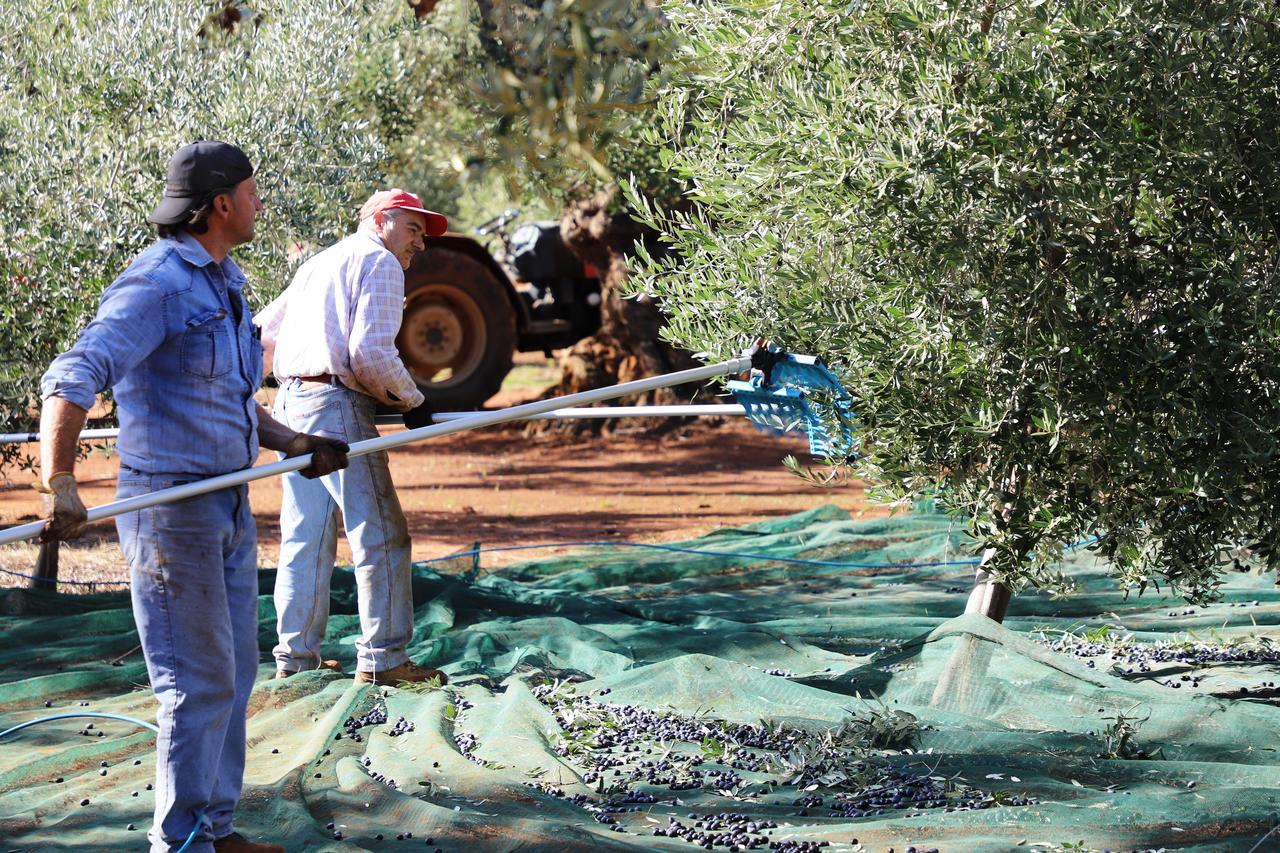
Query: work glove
pixel 419 415
pixel 327 454
pixel 64 512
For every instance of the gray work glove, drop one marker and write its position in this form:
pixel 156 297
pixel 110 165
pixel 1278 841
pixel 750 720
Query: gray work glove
pixel 64 512
pixel 327 454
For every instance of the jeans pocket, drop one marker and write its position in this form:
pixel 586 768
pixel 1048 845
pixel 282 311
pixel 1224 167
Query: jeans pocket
pixel 305 404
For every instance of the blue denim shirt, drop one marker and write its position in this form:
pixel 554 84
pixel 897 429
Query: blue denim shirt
pixel 175 340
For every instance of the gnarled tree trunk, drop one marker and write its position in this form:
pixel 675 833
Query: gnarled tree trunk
pixel 626 346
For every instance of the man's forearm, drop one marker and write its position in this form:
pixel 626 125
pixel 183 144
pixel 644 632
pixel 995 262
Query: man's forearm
pixel 402 397
pixel 272 434
pixel 60 424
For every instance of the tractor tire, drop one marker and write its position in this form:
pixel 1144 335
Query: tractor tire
pixel 458 334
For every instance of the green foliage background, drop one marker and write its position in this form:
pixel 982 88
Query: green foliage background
pixel 95 97
pixel 488 104
pixel 417 86
pixel 1040 245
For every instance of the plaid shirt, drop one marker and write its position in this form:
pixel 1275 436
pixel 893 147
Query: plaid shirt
pixel 340 316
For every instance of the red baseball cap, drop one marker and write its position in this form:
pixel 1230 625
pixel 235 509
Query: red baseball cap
pixel 398 199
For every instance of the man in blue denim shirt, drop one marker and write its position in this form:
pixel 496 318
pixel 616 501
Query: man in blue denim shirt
pixel 174 339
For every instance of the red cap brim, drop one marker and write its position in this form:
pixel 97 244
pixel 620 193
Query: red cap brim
pixel 437 223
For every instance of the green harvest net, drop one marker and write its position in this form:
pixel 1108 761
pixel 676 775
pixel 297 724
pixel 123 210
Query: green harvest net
pixel 620 699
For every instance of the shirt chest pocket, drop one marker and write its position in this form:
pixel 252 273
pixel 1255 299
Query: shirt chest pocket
pixel 255 360
pixel 206 345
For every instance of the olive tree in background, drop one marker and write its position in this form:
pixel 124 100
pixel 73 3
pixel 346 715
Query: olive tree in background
pixel 94 98
pixel 417 86
pixel 551 95
pixel 1039 240
pixel 574 84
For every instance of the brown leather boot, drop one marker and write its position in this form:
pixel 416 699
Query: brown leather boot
pixel 331 665
pixel 237 843
pixel 407 671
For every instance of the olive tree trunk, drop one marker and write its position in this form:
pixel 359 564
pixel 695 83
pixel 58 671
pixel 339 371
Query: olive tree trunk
pixel 988 597
pixel 626 346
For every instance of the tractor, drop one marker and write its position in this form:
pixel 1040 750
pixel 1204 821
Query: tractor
pixel 467 310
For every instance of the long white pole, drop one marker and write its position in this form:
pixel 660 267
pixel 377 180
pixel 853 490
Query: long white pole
pixel 386 442
pixel 602 412
pixel 571 414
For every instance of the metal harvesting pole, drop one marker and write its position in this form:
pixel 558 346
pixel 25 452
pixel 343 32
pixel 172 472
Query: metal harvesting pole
pixel 386 442
pixel 570 414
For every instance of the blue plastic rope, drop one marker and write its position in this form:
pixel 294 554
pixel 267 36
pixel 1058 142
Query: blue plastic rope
pixel 676 549
pixel 800 561
pixel 766 557
pixel 73 583
pixel 199 818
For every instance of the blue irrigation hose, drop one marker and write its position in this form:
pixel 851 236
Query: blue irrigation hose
pixel 133 720
pixel 199 818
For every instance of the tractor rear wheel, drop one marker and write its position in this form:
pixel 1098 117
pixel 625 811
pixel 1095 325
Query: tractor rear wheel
pixel 458 334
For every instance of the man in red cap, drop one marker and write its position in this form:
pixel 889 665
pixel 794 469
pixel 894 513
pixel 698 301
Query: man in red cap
pixel 333 333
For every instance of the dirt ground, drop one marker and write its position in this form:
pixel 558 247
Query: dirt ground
pixel 498 487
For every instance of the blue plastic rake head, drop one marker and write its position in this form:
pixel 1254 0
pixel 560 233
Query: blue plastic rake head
pixel 788 392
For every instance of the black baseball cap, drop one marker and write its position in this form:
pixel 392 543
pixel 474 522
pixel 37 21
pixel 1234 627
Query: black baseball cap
pixel 195 171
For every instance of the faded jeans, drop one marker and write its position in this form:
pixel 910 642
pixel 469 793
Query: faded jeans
pixel 375 528
pixel 193 566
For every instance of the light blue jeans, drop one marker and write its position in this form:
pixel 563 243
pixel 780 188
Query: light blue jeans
pixel 375 528
pixel 194 572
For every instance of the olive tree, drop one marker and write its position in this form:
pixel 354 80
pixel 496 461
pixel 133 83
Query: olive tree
pixel 418 89
pixel 94 98
pixel 1038 240
pixel 575 82
pixel 551 95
